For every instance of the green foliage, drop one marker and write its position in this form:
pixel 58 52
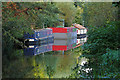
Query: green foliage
pixel 9 43
pixel 108 64
pixel 17 18
pixel 102 49
pixel 112 55
pixel 78 16
pixel 80 10
pixel 98 14
pixel 101 38
pixel 69 11
pixel 104 66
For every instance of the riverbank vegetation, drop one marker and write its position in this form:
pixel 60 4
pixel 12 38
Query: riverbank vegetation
pixel 102 20
pixel 18 17
pixel 103 46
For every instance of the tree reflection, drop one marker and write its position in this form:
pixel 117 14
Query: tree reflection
pixel 50 71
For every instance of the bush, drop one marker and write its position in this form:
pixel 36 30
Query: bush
pixel 101 38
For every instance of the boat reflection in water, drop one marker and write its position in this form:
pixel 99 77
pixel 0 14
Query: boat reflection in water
pixel 55 45
pixel 55 64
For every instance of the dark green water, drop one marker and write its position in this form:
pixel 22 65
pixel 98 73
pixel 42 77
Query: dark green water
pixel 60 64
pixel 54 65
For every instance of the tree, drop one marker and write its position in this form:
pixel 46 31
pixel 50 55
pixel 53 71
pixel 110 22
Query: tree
pixel 17 18
pixel 98 14
pixel 69 11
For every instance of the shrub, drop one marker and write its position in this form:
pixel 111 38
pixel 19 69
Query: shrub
pixel 100 38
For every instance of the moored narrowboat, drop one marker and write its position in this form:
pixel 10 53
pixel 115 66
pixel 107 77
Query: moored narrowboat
pixel 38 36
pixel 64 32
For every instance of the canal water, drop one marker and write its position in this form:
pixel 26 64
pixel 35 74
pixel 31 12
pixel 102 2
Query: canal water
pixel 57 60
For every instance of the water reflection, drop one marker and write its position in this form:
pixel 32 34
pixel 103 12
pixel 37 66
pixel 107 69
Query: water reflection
pixel 64 45
pixel 35 49
pixel 59 57
pixel 54 45
pixel 55 63
pixel 60 63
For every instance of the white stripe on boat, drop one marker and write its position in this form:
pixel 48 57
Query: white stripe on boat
pixel 31 46
pixel 31 39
